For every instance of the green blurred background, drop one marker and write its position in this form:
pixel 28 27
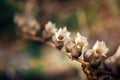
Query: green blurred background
pixel 22 59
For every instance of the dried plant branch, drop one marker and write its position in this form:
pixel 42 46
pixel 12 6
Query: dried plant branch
pixel 73 47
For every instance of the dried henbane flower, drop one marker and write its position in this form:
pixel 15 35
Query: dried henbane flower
pixel 61 37
pixel 100 48
pixel 80 45
pixel 50 29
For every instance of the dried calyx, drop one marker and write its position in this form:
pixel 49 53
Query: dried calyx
pixel 61 37
pixel 100 48
pixel 94 55
pixel 80 44
pixel 50 30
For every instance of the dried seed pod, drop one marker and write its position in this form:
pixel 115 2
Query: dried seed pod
pixel 88 54
pixel 61 37
pixel 100 48
pixel 95 61
pixel 91 57
pixel 46 35
pixel 19 20
pixel 59 44
pixel 94 56
pixel 78 46
pixel 81 41
pixel 69 46
pixel 76 52
pixel 34 25
pixel 50 29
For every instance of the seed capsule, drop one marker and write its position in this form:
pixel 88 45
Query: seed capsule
pixel 61 37
pixel 69 46
pixel 49 30
pixel 76 52
pixel 91 57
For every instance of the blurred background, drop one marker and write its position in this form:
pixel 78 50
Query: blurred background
pixel 22 59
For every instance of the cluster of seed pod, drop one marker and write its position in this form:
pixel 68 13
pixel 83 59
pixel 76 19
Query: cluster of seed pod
pixel 77 46
pixel 27 25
